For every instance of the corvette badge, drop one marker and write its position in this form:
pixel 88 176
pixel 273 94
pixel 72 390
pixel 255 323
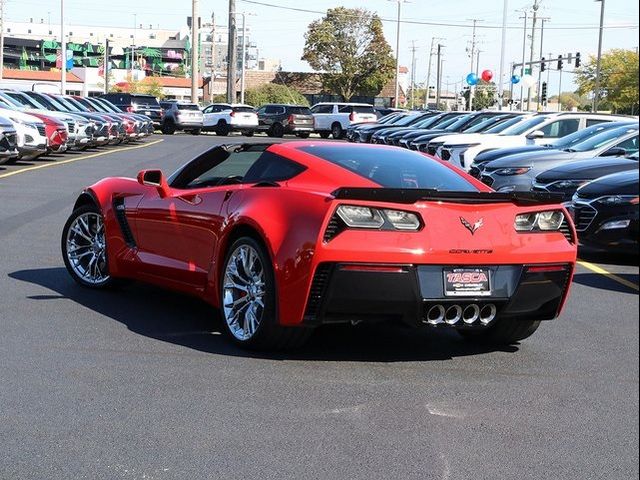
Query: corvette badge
pixel 472 228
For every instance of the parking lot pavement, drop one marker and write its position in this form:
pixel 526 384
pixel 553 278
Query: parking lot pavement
pixel 140 383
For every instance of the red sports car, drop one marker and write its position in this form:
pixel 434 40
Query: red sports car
pixel 286 237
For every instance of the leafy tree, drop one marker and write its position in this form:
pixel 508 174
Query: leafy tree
pixel 349 45
pixel 151 86
pixel 484 97
pixel 273 93
pixel 618 80
pixel 570 101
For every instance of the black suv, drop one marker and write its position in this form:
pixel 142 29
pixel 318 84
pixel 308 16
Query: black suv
pixel 137 103
pixel 278 119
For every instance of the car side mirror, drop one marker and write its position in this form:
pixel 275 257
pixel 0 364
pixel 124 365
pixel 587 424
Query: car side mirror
pixel 614 152
pixel 535 135
pixel 154 178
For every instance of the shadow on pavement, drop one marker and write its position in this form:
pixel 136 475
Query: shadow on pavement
pixel 189 322
pixel 602 282
pixel 609 258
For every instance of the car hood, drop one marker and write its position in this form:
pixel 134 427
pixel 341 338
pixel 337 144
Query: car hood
pixel 587 169
pixel 530 158
pixel 503 152
pixel 459 139
pixel 24 117
pixel 623 183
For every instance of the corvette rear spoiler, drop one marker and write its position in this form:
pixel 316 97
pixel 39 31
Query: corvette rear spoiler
pixel 413 195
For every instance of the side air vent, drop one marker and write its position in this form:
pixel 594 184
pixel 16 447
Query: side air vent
pixel 565 228
pixel 334 227
pixel 317 292
pixel 121 216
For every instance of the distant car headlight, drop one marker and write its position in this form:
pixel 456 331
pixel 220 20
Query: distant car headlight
pixel 506 172
pixel 547 221
pixel 366 217
pixel 615 225
pixel 618 200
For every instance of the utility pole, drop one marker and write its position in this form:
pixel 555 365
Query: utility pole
pixel 536 6
pixel 133 43
pixel 438 75
pixel 426 101
pixel 106 66
pixel 473 53
pixel 232 54
pixel 413 74
pixel 524 49
pixel 244 56
pixel 63 52
pixel 503 42
pixel 213 56
pixel 1 38
pixel 540 69
pixel 397 93
pixel 195 43
pixel 596 93
pixel 559 92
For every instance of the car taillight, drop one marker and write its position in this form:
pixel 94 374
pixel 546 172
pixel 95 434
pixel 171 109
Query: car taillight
pixel 233 114
pixel 291 119
pixel 352 117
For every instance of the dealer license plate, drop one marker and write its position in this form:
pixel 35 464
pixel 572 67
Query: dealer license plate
pixel 467 282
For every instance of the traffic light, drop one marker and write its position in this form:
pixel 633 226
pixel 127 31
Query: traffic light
pixel 559 62
pixel 543 93
pixel 543 66
pixel 577 59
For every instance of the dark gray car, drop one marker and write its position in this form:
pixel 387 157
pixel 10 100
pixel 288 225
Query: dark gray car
pixel 278 119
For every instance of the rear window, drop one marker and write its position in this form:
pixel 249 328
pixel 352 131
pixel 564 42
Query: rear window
pixel 300 110
pixel 188 106
pixel 392 168
pixel 144 100
pixel 356 109
pixel 244 109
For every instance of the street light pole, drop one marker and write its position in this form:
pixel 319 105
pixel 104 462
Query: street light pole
pixel 63 52
pixel 1 38
pixel 438 76
pixel 596 93
pixel 524 53
pixel 503 42
pixel 232 54
pixel 195 56
pixel 244 56
pixel 397 93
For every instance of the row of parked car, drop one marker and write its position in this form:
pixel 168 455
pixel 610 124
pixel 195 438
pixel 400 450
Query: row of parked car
pixel 589 160
pixel 33 124
pixel 274 119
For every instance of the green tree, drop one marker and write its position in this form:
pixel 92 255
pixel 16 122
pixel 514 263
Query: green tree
pixel 349 45
pixel 151 86
pixel 273 93
pixel 484 97
pixel 618 80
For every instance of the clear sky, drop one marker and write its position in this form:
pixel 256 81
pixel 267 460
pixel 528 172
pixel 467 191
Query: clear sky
pixel 572 26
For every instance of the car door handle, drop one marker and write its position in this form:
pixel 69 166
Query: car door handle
pixel 194 199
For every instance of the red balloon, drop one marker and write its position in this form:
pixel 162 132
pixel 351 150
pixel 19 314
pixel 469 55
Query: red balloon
pixel 487 75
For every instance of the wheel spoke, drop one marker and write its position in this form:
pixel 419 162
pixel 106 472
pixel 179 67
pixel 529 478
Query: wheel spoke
pixel 85 248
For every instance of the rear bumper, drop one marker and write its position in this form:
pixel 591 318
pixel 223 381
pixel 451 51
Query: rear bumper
pixel 343 292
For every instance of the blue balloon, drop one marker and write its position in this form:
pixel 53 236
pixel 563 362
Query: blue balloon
pixel 472 79
pixel 515 79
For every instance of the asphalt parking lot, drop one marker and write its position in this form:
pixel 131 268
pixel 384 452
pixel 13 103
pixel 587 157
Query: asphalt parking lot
pixel 140 383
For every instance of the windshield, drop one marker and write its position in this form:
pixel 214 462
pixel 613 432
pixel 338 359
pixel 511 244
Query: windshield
pixel 84 103
pixel 79 105
pixel 601 139
pixel 581 135
pixel 188 106
pixel 457 123
pixel 392 168
pixel 485 123
pixel 502 126
pixel 62 104
pixel 521 128
pixel 13 104
pixel 23 100
pixel 96 105
pixel 426 122
pixel 107 105
pixel 407 120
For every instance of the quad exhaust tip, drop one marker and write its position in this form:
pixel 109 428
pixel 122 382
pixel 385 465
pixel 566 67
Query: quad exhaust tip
pixel 469 314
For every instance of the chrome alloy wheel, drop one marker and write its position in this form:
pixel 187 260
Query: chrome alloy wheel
pixel 244 292
pixel 86 248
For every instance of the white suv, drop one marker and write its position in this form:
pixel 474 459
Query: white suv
pixel 224 118
pixel 334 118
pixel 539 129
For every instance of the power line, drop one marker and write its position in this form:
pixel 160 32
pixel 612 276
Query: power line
pixel 441 24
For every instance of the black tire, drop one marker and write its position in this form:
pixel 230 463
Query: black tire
pixel 276 130
pixel 222 129
pixel 504 332
pixel 325 135
pixel 248 133
pixel 196 131
pixel 303 135
pixel 269 335
pixel 110 281
pixel 336 131
pixel 168 128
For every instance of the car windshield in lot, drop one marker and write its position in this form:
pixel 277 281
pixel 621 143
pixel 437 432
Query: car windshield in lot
pixel 505 124
pixel 581 135
pixel 521 128
pixel 602 139
pixel 392 168
pixel 246 109
pixel 145 100
pixel 300 110
pixel 188 106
